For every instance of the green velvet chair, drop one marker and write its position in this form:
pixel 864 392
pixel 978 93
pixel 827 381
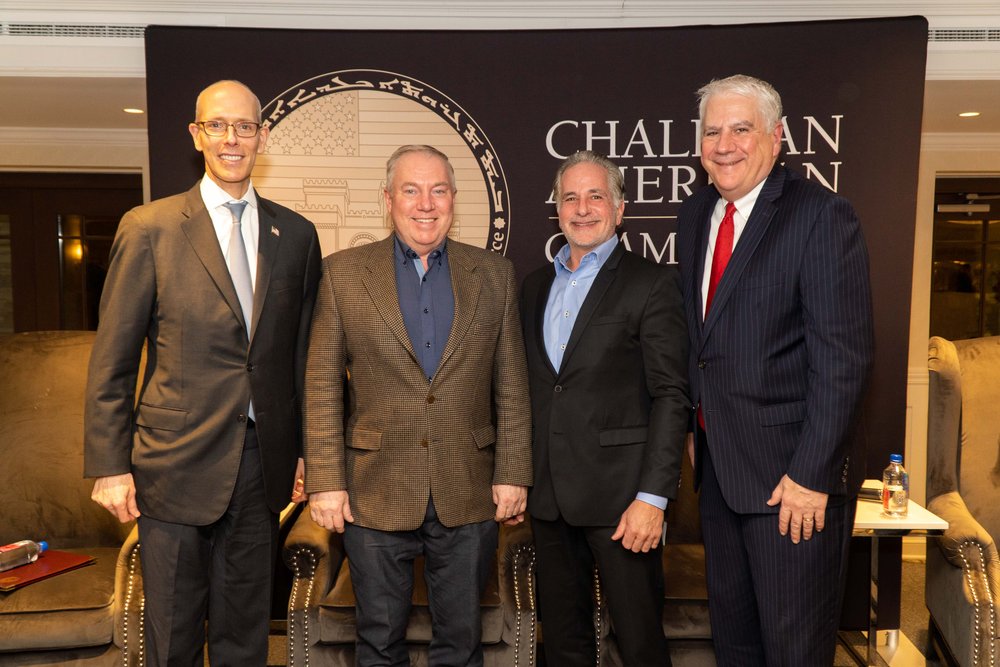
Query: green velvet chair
pixel 92 615
pixel 963 487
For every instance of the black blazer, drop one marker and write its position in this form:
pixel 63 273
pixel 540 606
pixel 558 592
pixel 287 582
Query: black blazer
pixel 611 421
pixel 781 364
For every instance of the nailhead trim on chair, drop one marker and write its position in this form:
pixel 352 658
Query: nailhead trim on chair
pixel 305 610
pixel 984 580
pixel 528 551
pixel 598 611
pixel 530 581
pixel 132 560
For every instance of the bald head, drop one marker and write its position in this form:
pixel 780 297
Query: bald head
pixel 224 88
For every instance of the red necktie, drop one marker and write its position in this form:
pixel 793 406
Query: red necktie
pixel 720 258
pixel 723 251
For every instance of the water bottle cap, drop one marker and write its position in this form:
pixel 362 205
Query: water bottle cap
pixel 43 545
pixel 896 458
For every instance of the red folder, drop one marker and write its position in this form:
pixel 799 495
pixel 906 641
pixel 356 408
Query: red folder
pixel 49 563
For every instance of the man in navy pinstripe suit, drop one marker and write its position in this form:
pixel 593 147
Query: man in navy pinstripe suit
pixel 781 349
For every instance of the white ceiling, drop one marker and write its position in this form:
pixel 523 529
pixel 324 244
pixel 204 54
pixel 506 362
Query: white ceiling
pixel 54 81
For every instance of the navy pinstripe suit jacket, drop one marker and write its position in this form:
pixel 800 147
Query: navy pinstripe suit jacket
pixel 781 364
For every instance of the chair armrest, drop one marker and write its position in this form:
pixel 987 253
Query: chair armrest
pixel 315 556
pixel 963 580
pixel 516 575
pixel 130 601
pixel 965 537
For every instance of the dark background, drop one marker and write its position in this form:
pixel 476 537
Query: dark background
pixel 517 84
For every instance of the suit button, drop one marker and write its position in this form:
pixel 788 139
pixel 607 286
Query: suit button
pixel 430 399
pixel 557 388
pixel 702 364
pixel 250 368
pixel 423 443
pixel 241 418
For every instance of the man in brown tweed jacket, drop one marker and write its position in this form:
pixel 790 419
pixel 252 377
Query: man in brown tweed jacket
pixel 431 447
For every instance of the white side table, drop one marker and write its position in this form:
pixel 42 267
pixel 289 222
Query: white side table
pixel 870 522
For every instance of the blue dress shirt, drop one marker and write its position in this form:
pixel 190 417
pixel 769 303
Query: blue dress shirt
pixel 426 302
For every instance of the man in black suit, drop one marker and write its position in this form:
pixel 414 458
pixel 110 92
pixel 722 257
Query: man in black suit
pixel 218 284
pixel 776 289
pixel 606 348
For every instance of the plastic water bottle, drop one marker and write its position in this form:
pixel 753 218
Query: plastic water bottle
pixel 20 553
pixel 895 488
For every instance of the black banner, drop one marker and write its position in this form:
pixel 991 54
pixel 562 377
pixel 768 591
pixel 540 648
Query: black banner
pixel 506 106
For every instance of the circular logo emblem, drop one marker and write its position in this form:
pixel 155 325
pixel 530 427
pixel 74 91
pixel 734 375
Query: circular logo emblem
pixel 329 140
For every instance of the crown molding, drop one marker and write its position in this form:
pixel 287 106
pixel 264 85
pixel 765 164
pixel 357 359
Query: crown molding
pixel 953 142
pixel 676 11
pixel 67 136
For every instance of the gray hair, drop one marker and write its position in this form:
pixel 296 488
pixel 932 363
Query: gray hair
pixel 616 183
pixel 256 100
pixel 390 164
pixel 767 98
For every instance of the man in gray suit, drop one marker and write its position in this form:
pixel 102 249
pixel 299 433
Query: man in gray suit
pixel 775 279
pixel 218 284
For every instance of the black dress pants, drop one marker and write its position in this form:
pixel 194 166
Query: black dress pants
pixel 631 585
pixel 220 572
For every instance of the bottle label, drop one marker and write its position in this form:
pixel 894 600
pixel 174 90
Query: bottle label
pixel 13 546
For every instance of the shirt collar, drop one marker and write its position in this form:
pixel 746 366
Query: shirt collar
pixel 744 205
pixel 214 196
pixel 406 254
pixel 599 254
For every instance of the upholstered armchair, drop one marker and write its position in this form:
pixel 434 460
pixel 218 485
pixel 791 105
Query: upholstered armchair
pixel 91 616
pixel 321 621
pixel 963 487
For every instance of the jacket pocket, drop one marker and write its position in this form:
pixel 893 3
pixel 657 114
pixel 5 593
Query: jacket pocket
pixel 617 318
pixel 782 413
pixel 615 437
pixel 164 419
pixel 484 436
pixel 362 439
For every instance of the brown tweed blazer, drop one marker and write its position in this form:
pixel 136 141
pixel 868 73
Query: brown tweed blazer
pixel 398 439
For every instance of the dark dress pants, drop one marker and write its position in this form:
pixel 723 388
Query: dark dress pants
pixel 457 565
pixel 221 572
pixel 631 585
pixel 771 602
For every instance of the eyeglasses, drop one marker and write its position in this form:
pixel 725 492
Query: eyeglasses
pixel 219 128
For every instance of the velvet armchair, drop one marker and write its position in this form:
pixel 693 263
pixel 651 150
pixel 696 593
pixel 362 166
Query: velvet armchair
pixel 91 615
pixel 963 487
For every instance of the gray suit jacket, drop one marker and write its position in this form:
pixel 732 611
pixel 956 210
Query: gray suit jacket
pixel 396 439
pixel 168 287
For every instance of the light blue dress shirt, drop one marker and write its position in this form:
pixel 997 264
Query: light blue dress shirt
pixel 566 296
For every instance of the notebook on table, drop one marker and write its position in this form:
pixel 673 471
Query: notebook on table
pixel 49 563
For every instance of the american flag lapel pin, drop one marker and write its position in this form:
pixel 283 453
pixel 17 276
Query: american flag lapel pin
pixel 274 230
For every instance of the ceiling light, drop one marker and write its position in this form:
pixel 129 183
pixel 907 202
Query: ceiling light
pixel 968 114
pixel 134 110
